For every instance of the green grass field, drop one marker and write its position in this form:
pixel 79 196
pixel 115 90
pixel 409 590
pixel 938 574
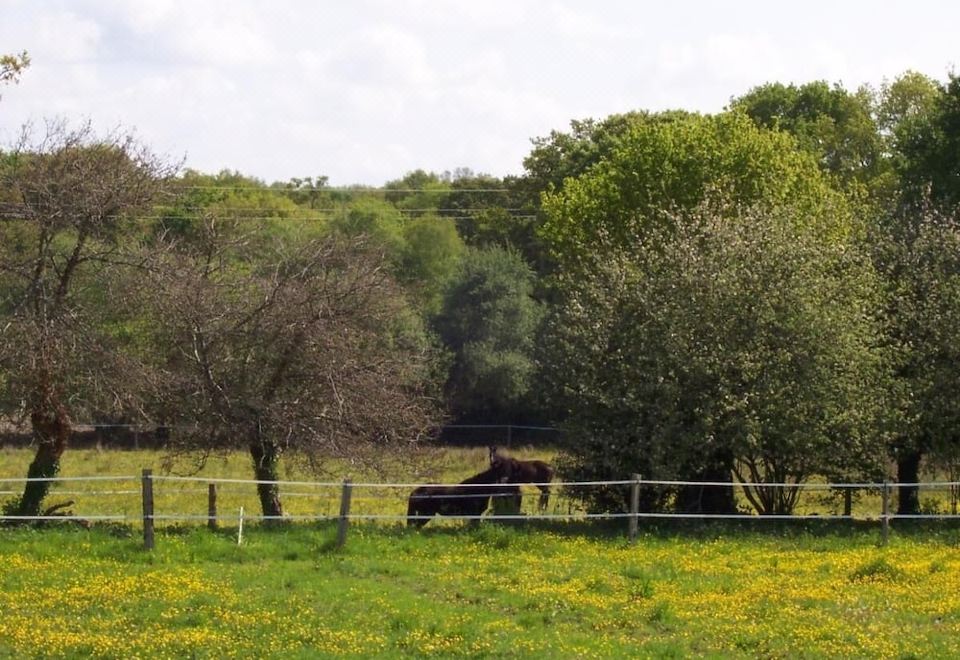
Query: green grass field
pixel 428 464
pixel 189 498
pixel 493 591
pixel 815 588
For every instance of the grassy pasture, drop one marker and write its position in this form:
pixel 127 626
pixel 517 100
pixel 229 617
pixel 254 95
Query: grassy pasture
pixel 564 590
pixel 493 591
pixel 428 464
pixel 93 498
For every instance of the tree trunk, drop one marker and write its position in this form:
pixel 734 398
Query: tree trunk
pixel 266 463
pixel 51 429
pixel 908 471
pixel 709 499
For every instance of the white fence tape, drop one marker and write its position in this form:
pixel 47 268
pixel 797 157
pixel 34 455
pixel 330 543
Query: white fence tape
pixel 156 479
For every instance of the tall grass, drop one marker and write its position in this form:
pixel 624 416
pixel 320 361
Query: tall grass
pixel 189 498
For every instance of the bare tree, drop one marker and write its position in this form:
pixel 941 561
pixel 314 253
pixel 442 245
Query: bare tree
pixel 275 348
pixel 64 203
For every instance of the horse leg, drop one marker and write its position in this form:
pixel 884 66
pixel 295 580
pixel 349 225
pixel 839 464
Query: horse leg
pixel 418 509
pixel 544 498
pixel 412 517
pixel 419 519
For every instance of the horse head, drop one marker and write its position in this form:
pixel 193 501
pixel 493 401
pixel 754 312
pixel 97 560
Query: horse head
pixel 504 467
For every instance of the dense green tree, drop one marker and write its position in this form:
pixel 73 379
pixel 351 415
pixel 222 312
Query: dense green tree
pixel 911 97
pixel 418 192
pixel 661 167
pixel 431 254
pixel 657 166
pixel 554 158
pixel 560 156
pixel 379 221
pixel 918 253
pixel 245 203
pixel 928 147
pixel 836 125
pixel 489 322
pixel 311 192
pixel 713 346
pixel 471 192
pixel 904 111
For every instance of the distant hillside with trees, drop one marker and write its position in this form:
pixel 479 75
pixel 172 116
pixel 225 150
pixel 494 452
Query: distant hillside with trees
pixel 766 294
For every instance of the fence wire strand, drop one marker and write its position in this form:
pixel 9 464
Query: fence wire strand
pixel 330 496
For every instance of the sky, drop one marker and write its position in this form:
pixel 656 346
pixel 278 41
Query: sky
pixel 364 91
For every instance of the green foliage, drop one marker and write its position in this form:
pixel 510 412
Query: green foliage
pixel 418 191
pixel 918 253
pixel 904 105
pixel 560 156
pixel 11 66
pixel 431 254
pixel 929 146
pixel 835 125
pixel 489 320
pixel 659 166
pixel 241 206
pixel 742 338
pixel 311 192
pixel 377 221
pixel 877 570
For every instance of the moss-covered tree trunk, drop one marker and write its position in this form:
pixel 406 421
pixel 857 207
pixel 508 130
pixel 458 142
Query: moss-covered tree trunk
pixel 266 467
pixel 51 430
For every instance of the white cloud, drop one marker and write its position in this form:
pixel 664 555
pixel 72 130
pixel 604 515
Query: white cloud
pixel 224 43
pixel 363 91
pixel 380 55
pixel 580 25
pixel 62 36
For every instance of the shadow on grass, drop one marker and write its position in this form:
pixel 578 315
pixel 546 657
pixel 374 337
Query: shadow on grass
pixel 299 540
pixel 945 530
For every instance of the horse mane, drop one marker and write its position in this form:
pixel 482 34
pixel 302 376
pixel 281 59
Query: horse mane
pixel 493 474
pixel 521 472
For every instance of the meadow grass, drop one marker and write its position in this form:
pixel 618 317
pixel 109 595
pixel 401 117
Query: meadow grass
pixel 758 588
pixel 426 464
pixel 189 498
pixel 488 591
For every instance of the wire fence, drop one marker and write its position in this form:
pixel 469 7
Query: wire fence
pixel 150 500
pixel 123 435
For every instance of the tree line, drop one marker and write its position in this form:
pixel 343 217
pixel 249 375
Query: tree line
pixel 766 294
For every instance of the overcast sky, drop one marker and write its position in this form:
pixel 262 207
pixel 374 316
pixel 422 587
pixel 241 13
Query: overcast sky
pixel 367 90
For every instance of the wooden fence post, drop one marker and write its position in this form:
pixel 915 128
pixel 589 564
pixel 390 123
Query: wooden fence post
pixel 848 502
pixel 147 490
pixel 212 507
pixel 344 513
pixel 885 516
pixel 634 507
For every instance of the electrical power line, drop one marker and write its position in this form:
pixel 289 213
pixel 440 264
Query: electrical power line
pixel 345 189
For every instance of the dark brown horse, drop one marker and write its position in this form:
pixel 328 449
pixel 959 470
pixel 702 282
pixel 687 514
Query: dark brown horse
pixel 525 472
pixel 428 501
